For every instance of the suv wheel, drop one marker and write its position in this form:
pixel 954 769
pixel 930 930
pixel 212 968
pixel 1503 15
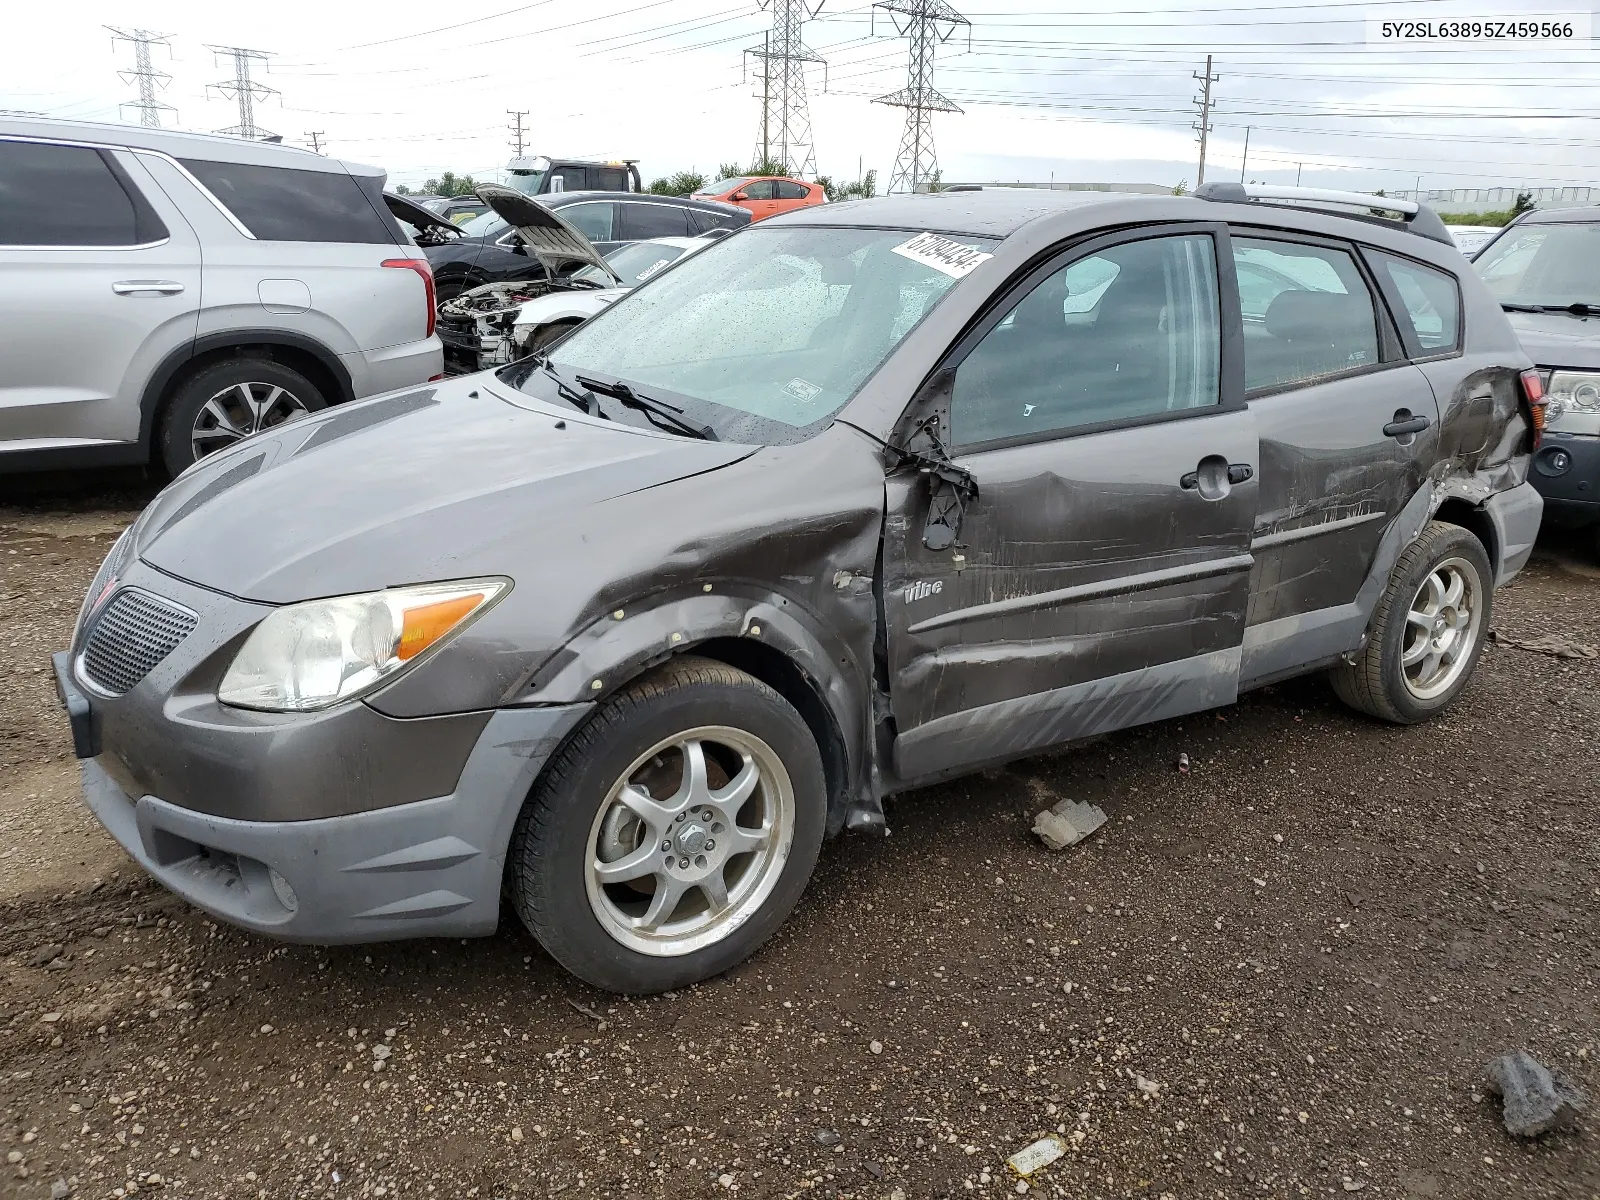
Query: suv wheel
pixel 227 402
pixel 1427 632
pixel 672 835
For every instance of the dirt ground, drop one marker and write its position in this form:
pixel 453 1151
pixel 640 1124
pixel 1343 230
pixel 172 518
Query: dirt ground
pixel 1278 974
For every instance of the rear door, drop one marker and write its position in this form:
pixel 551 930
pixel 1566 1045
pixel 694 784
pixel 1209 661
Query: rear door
pixel 597 219
pixel 1102 574
pixel 789 194
pixel 641 219
pixel 1348 431
pixel 99 281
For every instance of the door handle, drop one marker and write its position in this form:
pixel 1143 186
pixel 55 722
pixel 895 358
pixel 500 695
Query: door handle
pixel 147 287
pixel 1404 424
pixel 1237 473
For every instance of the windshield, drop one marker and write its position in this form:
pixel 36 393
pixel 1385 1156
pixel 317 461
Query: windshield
pixel 484 224
pixel 526 182
pixel 1547 265
pixel 634 263
pixel 766 335
pixel 724 185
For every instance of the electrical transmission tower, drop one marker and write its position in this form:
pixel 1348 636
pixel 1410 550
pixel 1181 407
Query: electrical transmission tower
pixel 245 90
pixel 927 23
pixel 785 135
pixel 149 79
pixel 1204 125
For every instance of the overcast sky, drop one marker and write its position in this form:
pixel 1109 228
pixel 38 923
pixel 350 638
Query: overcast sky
pixel 1101 93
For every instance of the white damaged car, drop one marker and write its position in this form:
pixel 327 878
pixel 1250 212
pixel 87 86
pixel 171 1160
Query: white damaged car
pixel 499 323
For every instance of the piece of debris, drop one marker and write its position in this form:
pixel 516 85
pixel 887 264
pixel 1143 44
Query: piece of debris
pixel 1556 647
pixel 826 1137
pixel 1037 1155
pixel 586 1011
pixel 1148 1087
pixel 1183 764
pixel 1353 1185
pixel 43 956
pixel 1067 823
pixel 1534 1099
pixel 60 1190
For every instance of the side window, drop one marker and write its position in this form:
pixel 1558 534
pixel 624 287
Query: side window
pixel 567 179
pixel 791 191
pixel 69 196
pixel 705 219
pixel 761 189
pixel 1130 331
pixel 609 179
pixel 1307 313
pixel 1431 300
pixel 595 220
pixel 279 204
pixel 653 221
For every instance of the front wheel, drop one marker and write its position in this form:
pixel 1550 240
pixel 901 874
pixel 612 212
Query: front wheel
pixel 1427 632
pixel 675 831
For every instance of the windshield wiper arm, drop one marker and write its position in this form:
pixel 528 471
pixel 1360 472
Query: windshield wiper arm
pixel 1510 307
pixel 583 400
pixel 652 408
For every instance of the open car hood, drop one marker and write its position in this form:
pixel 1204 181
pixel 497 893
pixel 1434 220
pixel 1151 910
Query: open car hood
pixel 405 209
pixel 556 243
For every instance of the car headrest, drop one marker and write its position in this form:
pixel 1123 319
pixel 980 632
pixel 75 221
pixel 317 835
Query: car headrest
pixel 1296 316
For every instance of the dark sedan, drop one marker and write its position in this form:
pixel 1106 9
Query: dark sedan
pixel 489 250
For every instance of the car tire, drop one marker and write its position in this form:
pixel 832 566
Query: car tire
pixel 594 808
pixel 544 335
pixel 1426 636
pixel 228 401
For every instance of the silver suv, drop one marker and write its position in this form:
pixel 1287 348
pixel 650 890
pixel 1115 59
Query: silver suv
pixel 167 294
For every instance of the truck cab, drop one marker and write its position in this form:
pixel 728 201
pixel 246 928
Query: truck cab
pixel 537 175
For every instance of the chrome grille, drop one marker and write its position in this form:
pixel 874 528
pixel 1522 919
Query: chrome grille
pixel 133 633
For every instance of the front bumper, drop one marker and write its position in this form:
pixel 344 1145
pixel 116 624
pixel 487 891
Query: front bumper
pixel 345 825
pixel 431 868
pixel 1566 470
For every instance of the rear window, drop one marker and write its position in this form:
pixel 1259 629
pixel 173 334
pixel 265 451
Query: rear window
pixel 279 204
pixel 70 196
pixel 653 221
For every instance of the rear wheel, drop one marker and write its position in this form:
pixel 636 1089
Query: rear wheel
pixel 228 402
pixel 674 833
pixel 1427 632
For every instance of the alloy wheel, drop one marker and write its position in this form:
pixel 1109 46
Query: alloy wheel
pixel 239 410
pixel 1442 628
pixel 674 875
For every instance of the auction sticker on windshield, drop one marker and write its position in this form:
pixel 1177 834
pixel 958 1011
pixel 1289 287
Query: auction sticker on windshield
pixel 942 254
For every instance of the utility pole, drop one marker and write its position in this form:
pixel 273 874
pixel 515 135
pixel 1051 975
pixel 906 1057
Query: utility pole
pixel 1298 167
pixel 149 79
pixel 1246 158
pixel 927 23
pixel 785 115
pixel 245 90
pixel 316 136
pixel 517 132
pixel 1204 101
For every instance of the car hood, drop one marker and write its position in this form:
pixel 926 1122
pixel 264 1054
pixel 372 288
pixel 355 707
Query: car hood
pixel 562 304
pixel 554 241
pixel 1558 339
pixel 443 482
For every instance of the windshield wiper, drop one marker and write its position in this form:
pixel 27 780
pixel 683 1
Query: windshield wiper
pixel 583 400
pixel 1578 308
pixel 657 410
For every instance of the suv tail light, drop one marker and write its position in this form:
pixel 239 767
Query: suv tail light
pixel 421 267
pixel 1533 397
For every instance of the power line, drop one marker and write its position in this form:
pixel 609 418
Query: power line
pixel 246 91
pixel 517 131
pixel 926 23
pixel 785 115
pixel 149 79
pixel 1204 101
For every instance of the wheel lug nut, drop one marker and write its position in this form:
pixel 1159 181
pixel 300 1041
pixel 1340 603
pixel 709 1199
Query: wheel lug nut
pixel 683 863
pixel 711 845
pixel 666 845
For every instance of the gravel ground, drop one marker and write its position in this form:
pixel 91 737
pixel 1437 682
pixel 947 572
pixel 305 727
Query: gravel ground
pixel 1278 974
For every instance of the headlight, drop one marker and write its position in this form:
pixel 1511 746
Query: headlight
pixel 1574 402
pixel 309 656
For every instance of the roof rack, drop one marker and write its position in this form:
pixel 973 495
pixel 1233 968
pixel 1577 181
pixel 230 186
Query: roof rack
pixel 1417 218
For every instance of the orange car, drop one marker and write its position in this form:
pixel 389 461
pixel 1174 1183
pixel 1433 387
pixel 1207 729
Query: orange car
pixel 764 195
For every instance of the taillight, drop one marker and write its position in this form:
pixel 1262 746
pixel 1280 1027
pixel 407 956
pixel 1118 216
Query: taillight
pixel 421 267
pixel 1533 397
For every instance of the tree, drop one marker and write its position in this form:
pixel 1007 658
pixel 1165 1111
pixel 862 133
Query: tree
pixel 450 184
pixel 1181 188
pixel 766 166
pixel 401 189
pixel 1523 204
pixel 863 188
pixel 683 183
pixel 729 171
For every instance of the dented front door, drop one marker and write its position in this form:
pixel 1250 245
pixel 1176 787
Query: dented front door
pixel 1101 577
